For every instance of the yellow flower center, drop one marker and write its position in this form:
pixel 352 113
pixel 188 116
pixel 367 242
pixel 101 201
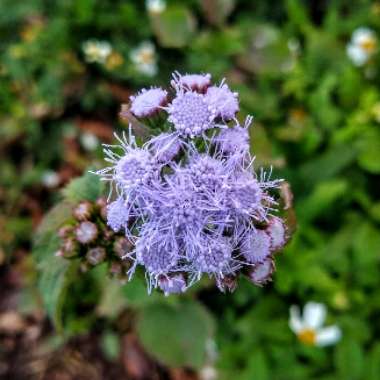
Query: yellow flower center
pixel 146 56
pixel 369 45
pixel 307 336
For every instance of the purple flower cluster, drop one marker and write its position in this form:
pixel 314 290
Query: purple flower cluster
pixel 189 199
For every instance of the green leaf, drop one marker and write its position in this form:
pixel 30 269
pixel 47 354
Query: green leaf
pixel 110 344
pixel 322 199
pixel 258 368
pixel 88 187
pixel 329 164
pixel 56 274
pixel 369 157
pixel 373 363
pixel 176 334
pixel 173 27
pixel 349 360
pixel 112 300
pixel 46 241
pixel 267 52
pixel 136 294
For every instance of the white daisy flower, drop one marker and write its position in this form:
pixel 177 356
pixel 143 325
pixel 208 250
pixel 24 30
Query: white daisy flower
pixel 309 328
pixel 96 51
pixel 362 46
pixel 144 58
pixel 155 6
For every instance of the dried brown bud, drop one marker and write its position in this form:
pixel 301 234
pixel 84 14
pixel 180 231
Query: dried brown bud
pixel 228 282
pixel 96 255
pixel 83 211
pixel 122 246
pixel 86 232
pixel 101 203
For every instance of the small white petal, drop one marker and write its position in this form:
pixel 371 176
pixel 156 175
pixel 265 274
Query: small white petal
pixel 295 321
pixel 328 336
pixel 357 55
pixel 314 315
pixel 361 34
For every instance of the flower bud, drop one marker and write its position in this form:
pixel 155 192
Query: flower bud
pixel 86 232
pixel 68 249
pixel 101 203
pixel 262 273
pixel 122 246
pixel 65 231
pixel 82 211
pixel 277 234
pixel 96 255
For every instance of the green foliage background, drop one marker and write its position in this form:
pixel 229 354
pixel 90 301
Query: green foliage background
pixel 317 121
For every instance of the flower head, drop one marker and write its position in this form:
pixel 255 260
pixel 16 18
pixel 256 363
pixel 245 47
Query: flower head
pixel 96 51
pixel 118 214
pixel 148 102
pixel 165 147
pixel 255 246
pixel 223 101
pixel 362 46
pixel 214 256
pixel 277 233
pixel 191 204
pixel 190 113
pixel 235 139
pixel 309 328
pixel 144 58
pixel 134 167
pixel 262 272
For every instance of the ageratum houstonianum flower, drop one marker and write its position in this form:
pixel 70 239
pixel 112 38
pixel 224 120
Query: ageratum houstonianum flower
pixel 189 199
pixel 148 102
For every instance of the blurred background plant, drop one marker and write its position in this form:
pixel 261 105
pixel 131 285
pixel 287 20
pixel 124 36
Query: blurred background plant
pixel 307 71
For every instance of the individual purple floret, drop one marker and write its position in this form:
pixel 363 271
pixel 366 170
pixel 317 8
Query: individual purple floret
pixel 223 101
pixel 118 214
pixel 165 147
pixel 214 256
pixel 194 82
pixel 189 200
pixel 190 113
pixel 277 233
pixel 148 102
pixel 262 273
pixel 235 139
pixel 156 253
pixel 172 284
pixel 207 173
pixel 255 246
pixel 134 167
